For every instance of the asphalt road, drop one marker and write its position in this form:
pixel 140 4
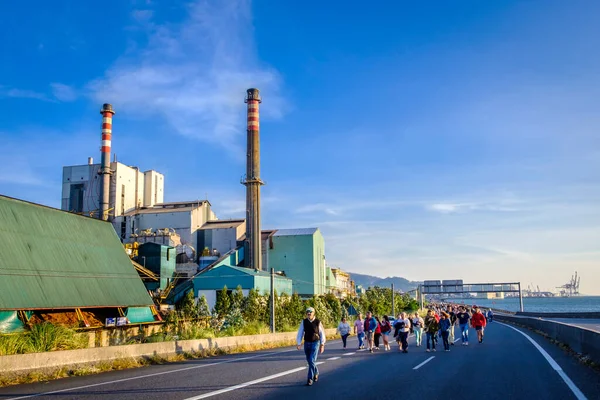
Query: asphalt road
pixel 506 366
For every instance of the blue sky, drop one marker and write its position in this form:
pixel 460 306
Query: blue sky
pixel 430 141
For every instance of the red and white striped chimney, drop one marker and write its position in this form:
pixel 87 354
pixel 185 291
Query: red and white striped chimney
pixel 105 171
pixel 253 256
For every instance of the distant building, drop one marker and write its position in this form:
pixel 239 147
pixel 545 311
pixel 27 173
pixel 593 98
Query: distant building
pixel 344 286
pixel 129 189
pixel 490 296
pixel 300 254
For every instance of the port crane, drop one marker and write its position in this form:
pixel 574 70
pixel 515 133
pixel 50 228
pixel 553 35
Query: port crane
pixel 571 288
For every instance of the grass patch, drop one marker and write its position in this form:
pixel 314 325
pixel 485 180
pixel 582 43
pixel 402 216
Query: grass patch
pixel 41 338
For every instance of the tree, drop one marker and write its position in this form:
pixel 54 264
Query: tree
pixel 203 309
pixel 223 305
pixel 187 306
pixel 334 306
pixel 237 298
pixel 251 306
pixel 294 310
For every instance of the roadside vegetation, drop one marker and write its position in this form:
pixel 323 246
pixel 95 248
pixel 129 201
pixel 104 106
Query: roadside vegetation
pixel 233 315
pixel 42 337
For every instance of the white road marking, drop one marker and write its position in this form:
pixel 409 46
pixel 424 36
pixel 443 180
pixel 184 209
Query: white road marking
pixel 149 375
pixel 424 362
pixel 348 354
pixel 456 340
pixel 578 393
pixel 333 358
pixel 243 385
pixel 246 384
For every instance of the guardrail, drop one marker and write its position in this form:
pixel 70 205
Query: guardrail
pixel 581 340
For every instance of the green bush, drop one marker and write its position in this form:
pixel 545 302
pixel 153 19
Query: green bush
pixel 49 337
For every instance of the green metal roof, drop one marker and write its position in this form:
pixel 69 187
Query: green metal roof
pixel 54 259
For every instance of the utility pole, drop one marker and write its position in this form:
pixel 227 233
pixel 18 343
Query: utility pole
pixel 421 295
pixel 393 302
pixel 272 300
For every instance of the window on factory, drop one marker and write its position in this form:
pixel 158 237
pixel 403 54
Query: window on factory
pixel 76 198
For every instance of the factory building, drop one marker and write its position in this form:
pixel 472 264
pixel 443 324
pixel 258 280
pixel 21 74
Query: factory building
pixel 211 282
pixel 221 236
pixel 300 255
pixel 65 268
pixel 185 218
pixel 130 189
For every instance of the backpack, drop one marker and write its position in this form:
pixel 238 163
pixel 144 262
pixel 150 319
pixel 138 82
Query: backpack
pixel 385 327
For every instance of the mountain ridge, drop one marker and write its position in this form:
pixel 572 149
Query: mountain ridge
pixel 400 283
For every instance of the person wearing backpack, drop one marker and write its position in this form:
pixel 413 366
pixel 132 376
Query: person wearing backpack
pixel 431 328
pixel 370 326
pixel 402 326
pixel 386 329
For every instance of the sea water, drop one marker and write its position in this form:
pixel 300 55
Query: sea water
pixel 541 304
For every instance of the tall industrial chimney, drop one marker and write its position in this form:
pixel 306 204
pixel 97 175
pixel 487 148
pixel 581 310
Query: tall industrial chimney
pixel 253 183
pixel 105 171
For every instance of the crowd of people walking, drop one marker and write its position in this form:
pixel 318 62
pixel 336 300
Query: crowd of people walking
pixel 440 322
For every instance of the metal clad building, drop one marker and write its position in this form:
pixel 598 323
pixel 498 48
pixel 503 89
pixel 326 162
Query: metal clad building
pixel 300 254
pixel 51 259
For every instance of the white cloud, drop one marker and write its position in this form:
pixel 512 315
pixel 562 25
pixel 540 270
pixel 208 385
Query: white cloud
pixel 194 75
pixel 23 94
pixel 63 92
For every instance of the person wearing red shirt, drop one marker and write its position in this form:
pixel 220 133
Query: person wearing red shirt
pixel 377 333
pixel 478 322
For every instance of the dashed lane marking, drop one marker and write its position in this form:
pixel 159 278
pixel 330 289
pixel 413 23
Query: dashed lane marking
pixel 424 362
pixel 150 375
pixel 333 358
pixel 348 354
pixel 578 393
pixel 456 340
pixel 250 383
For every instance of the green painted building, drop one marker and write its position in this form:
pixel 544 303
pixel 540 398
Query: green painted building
pixel 159 259
pixel 54 260
pixel 210 282
pixel 300 254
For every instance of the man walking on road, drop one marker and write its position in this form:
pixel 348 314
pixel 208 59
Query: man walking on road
pixel 370 326
pixel 311 330
pixel 478 322
pixel 463 322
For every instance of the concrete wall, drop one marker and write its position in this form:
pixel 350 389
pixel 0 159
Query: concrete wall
pixel 583 341
pixel 28 362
